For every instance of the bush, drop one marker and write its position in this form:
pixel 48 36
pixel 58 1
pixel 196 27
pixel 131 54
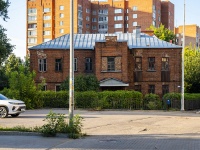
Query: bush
pixel 152 102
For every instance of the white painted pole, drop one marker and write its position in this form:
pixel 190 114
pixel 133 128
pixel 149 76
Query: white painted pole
pixel 183 51
pixel 71 70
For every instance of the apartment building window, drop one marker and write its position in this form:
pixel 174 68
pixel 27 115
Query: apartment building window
pixel 32 33
pixel 94 12
pixel 46 32
pixel 87 18
pixel 94 19
pixel 88 64
pixel 46 10
pixel 32 26
pixel 80 14
pixel 42 65
pixel 32 11
pixel 116 18
pixel 165 89
pixel 151 89
pixel 126 17
pixel 103 11
pixel 126 10
pixel 165 63
pixel 154 23
pixel 118 26
pixel 47 25
pixel 57 88
pixel 138 88
pixel 151 63
pixel 61 7
pixel 61 15
pixel 61 23
pixel 87 10
pixel 75 64
pixel 103 26
pixel 111 63
pixel 134 24
pixel 117 11
pixel 103 18
pixel 165 73
pixel 126 25
pixel 135 8
pixel 32 18
pixel 32 40
pixel 46 40
pixel 134 15
pixel 61 30
pixel 94 27
pixel 87 26
pixel 58 64
pixel 47 17
pixel 80 23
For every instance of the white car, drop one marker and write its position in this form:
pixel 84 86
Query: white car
pixel 10 107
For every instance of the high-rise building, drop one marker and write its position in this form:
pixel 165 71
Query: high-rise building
pixel 192 35
pixel 48 19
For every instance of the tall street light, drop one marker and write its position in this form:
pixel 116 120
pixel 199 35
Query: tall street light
pixel 183 51
pixel 71 70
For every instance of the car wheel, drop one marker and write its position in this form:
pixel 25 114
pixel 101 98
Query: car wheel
pixel 15 115
pixel 3 112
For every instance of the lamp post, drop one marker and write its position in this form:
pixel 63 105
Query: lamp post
pixel 71 70
pixel 183 50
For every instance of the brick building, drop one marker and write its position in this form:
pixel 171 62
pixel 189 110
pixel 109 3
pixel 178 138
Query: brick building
pixel 49 19
pixel 192 35
pixel 119 61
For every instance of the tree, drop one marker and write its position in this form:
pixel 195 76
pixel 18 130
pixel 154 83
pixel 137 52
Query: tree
pixel 5 47
pixel 192 70
pixel 82 83
pixel 163 33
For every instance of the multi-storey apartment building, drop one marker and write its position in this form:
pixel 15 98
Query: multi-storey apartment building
pixel 192 35
pixel 127 61
pixel 48 19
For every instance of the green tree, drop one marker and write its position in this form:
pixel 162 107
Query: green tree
pixel 192 70
pixel 82 83
pixel 163 33
pixel 5 47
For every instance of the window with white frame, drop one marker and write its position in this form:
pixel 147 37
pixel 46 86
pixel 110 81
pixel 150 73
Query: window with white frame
pixel 61 30
pixel 32 33
pixel 118 25
pixel 32 40
pixel 47 17
pixel 87 18
pixel 61 15
pixel 32 18
pixel 61 7
pixel 87 10
pixel 58 65
pixel 47 25
pixel 32 26
pixel 46 40
pixel 32 11
pixel 117 11
pixel 134 15
pixel 46 32
pixel 42 65
pixel 94 19
pixel 103 18
pixel 61 23
pixel 117 18
pixel 103 11
pixel 135 8
pixel 134 23
pixel 46 10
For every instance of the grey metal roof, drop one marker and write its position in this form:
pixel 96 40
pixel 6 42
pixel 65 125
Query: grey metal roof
pixel 87 41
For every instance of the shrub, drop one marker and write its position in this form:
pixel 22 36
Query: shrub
pixel 152 102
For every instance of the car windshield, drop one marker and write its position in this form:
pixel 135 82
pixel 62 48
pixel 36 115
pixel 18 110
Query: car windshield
pixel 2 97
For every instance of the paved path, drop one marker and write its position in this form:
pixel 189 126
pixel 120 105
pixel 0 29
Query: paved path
pixel 109 130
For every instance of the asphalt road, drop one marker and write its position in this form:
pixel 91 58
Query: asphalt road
pixel 109 130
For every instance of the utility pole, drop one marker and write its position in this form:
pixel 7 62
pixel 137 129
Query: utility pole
pixel 71 70
pixel 183 51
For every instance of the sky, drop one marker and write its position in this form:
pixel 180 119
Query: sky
pixel 16 25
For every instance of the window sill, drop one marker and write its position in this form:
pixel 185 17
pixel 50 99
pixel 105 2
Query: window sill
pixel 151 70
pixel 111 71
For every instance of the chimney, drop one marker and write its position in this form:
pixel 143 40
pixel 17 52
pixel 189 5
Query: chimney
pixel 137 31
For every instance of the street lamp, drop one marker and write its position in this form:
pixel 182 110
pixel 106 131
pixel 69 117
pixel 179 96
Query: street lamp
pixel 183 50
